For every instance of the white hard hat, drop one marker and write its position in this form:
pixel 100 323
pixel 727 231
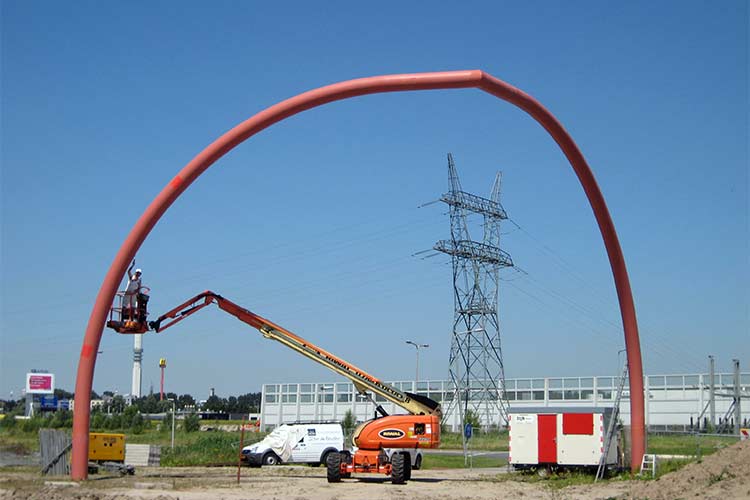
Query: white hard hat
pixel 138 271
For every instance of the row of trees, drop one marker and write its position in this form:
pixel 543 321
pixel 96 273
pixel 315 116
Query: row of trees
pixel 116 404
pixel 130 420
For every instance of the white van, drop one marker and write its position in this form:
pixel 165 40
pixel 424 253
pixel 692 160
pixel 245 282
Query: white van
pixel 296 443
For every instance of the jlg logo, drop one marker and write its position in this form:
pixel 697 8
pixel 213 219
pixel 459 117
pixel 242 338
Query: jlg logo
pixel 391 433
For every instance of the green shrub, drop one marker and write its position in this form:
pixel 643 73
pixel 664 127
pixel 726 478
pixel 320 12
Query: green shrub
pixel 61 419
pixel 191 423
pixel 9 422
pixel 348 424
pixel 98 422
pixel 114 422
pixel 34 424
pixel 165 425
pixel 130 412
pixel 136 423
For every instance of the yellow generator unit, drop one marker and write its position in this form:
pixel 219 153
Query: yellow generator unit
pixel 106 447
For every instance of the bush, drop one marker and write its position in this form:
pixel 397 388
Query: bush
pixel 34 424
pixel 113 422
pixel 472 418
pixel 191 423
pixel 348 424
pixel 98 421
pixel 9 422
pixel 165 425
pixel 136 423
pixel 130 412
pixel 61 419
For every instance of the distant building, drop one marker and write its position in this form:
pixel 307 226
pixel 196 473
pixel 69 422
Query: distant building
pixel 671 401
pixel 95 403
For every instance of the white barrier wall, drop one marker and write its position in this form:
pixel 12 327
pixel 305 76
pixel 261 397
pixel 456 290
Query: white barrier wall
pixel 671 400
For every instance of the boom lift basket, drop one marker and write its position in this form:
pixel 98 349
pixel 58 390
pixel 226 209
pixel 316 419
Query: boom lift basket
pixel 129 320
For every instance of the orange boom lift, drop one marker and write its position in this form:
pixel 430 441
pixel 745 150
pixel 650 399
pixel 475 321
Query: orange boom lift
pixel 382 444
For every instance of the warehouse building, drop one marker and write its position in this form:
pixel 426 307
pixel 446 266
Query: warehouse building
pixel 671 401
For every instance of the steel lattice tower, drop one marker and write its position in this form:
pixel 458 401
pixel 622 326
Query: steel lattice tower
pixel 476 361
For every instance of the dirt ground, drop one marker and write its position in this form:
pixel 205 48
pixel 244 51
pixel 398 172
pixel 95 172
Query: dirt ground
pixel 724 475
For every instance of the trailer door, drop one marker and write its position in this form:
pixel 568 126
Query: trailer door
pixel 547 439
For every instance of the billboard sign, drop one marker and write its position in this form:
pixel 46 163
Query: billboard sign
pixel 40 383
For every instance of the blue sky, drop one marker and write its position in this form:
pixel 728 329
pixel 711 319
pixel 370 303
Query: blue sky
pixel 313 222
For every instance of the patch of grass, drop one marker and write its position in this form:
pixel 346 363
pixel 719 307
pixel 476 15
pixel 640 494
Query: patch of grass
pixel 215 448
pixel 439 461
pixel 686 444
pixel 191 448
pixel 18 441
pixel 485 441
pixel 554 481
pixel 205 448
pixel 671 465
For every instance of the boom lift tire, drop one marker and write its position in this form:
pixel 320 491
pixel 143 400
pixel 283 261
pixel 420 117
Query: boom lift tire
pixel 333 466
pixel 407 466
pixel 398 468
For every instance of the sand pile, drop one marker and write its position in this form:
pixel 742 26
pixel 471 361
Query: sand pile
pixel 724 475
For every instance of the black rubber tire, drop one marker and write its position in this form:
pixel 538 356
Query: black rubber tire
pixel 324 458
pixel 271 458
pixel 398 468
pixel 333 468
pixel 418 463
pixel 407 467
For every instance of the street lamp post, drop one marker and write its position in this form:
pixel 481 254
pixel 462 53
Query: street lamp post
pixel 174 410
pixel 417 346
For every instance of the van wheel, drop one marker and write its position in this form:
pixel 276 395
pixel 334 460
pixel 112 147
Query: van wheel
pixel 333 467
pixel 398 468
pixel 418 463
pixel 271 458
pixel 323 459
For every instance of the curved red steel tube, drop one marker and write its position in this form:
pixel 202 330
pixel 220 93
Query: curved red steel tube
pixel 317 97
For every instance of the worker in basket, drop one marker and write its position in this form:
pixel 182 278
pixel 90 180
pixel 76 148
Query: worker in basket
pixel 134 301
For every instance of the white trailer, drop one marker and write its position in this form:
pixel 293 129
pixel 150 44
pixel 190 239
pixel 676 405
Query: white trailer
pixel 553 437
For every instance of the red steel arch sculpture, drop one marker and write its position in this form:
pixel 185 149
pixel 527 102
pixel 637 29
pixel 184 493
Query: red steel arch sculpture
pixel 339 91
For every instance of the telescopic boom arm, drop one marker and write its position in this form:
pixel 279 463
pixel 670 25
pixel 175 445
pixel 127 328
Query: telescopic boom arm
pixel 363 381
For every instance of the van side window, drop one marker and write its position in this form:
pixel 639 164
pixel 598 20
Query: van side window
pixel 310 432
pixel 419 429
